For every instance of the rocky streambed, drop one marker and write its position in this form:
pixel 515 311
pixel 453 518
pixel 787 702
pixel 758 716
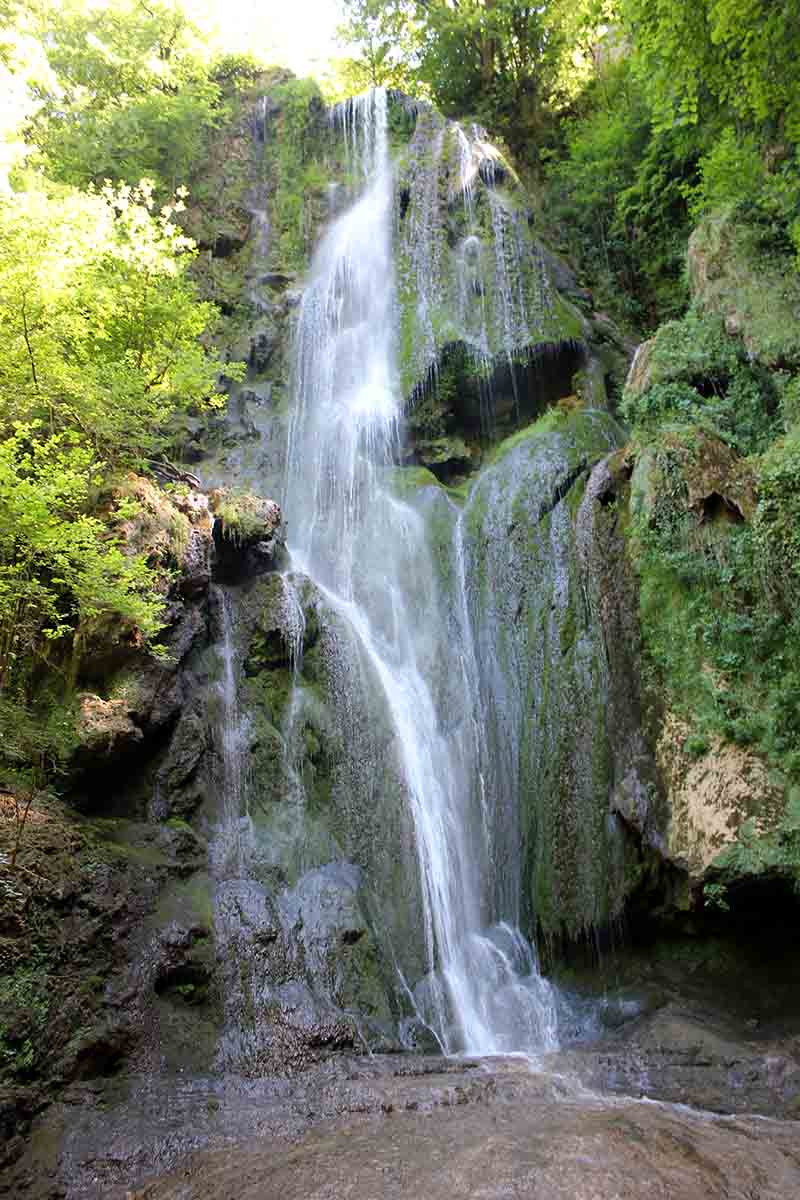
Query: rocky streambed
pixel 494 1129
pixel 660 1094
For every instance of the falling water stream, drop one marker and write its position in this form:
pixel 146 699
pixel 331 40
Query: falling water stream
pixel 367 553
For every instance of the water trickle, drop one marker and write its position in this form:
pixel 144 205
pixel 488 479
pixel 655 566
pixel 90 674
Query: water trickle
pixel 423 244
pixel 368 555
pixel 229 849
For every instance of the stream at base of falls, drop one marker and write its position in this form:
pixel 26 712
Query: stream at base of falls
pixel 384 1128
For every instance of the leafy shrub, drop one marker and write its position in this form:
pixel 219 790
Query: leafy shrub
pixel 617 194
pixel 777 521
pixel 700 375
pixel 732 172
pixel 721 639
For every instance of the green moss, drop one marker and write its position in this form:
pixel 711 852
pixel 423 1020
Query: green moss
pixel 719 645
pixel 568 631
pixel 187 902
pixel 299 161
pixel 735 273
pixel 178 824
pixel 270 692
pixel 241 515
pixel 775 854
pixel 405 481
pixel 548 422
pixel 110 839
pixel 563 321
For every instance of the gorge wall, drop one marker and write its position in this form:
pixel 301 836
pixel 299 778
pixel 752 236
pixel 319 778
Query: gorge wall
pixel 245 890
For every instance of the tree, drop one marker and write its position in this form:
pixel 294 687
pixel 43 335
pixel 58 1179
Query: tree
pixel 99 324
pixel 502 62
pixel 738 55
pixel 61 569
pixel 498 59
pixel 129 92
pixel 24 71
pixel 384 35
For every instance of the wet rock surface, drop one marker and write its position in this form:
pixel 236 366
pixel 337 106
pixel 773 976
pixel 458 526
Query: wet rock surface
pixel 402 1127
pixel 645 1035
pixel 579 1151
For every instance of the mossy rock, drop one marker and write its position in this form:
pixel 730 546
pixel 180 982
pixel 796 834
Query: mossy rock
pixel 756 293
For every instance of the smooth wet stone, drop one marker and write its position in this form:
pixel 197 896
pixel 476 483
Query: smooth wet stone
pixel 389 1127
pixel 512 1136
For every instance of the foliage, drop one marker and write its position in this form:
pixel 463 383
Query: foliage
pixel 34 749
pixel 103 336
pixel 60 575
pixel 617 189
pixel 59 570
pixel 692 107
pixel 293 168
pixel 99 323
pixel 700 375
pixel 739 55
pixel 24 73
pixel 239 70
pixel 777 524
pixel 717 643
pixel 23 994
pixel 498 61
pixel 130 94
pixel 732 171
pixel 384 35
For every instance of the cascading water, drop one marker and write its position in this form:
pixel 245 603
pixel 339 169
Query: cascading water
pixel 230 847
pixel 367 553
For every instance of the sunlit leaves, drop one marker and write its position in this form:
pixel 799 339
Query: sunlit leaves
pixel 59 569
pixel 99 322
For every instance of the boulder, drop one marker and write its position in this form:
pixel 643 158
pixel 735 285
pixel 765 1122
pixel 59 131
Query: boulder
pixel 248 534
pixel 106 730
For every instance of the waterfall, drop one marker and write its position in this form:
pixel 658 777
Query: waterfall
pixel 367 553
pixel 230 846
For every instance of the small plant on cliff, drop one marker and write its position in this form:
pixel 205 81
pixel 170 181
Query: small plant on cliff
pixel 242 517
pixel 777 523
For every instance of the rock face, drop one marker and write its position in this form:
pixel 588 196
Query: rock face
pixel 712 796
pixel 547 593
pixel 730 275
pixel 106 729
pixel 106 933
pixel 316 709
pixel 715 791
pixel 531 1137
pixel 718 483
pixel 248 534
